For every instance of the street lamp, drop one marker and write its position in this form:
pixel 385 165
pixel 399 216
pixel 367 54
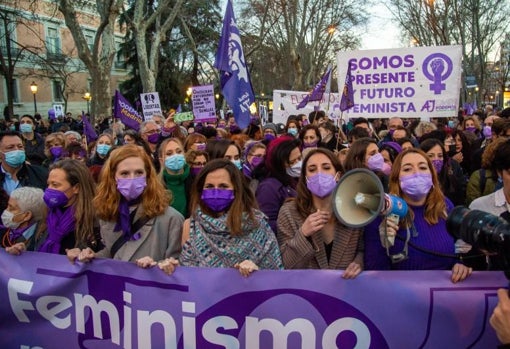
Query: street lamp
pixel 87 97
pixel 33 88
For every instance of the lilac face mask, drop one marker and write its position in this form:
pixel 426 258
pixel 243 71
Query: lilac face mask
pixel 438 165
pixel 55 198
pixel 417 185
pixel 386 169
pixel 321 184
pixel 375 162
pixel 487 131
pixel 217 200
pixel 131 188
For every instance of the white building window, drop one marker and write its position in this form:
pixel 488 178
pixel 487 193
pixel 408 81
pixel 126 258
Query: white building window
pixel 53 42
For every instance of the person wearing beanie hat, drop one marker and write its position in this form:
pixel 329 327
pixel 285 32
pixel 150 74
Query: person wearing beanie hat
pixel 270 126
pixel 269 131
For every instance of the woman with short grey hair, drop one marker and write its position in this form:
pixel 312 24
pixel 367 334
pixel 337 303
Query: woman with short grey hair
pixel 22 217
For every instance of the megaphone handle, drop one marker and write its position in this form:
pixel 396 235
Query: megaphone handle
pixel 394 218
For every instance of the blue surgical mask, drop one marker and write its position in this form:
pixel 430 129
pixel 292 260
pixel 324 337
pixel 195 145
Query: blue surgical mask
pixel 292 131
pixel 238 164
pixel 15 158
pixel 103 149
pixel 25 128
pixel 175 162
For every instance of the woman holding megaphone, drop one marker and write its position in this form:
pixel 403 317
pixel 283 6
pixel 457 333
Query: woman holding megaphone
pixel 422 241
pixel 309 234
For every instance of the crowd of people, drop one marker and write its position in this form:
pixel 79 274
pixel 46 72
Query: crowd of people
pixel 214 195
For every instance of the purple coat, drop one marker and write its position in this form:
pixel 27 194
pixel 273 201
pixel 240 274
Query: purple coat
pixel 271 194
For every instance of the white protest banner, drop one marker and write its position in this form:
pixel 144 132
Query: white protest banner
pixel 150 105
pixel 204 108
pixel 285 104
pixel 415 82
pixel 59 110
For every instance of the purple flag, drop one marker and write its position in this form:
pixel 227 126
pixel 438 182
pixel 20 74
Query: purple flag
pixel 88 130
pixel 126 113
pixel 318 90
pixel 347 100
pixel 179 109
pixel 234 76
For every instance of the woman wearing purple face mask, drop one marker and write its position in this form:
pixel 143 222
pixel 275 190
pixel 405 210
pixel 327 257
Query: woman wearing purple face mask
pixel 70 219
pixel 309 234
pixel 422 241
pixel 364 153
pixel 195 141
pixel 255 153
pixel 137 225
pixel 226 229
pixel 54 147
pixel 196 160
pixel 449 173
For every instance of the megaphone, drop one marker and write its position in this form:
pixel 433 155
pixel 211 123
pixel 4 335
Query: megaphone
pixel 359 198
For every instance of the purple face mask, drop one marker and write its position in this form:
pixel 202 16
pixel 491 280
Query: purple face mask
pixel 195 171
pixel 200 146
pixel 56 151
pixel 471 129
pixel 269 137
pixel 257 160
pixel 417 185
pixel 310 145
pixel 131 188
pixel 375 162
pixel 438 165
pixel 217 200
pixel 55 198
pixel 153 138
pixel 321 184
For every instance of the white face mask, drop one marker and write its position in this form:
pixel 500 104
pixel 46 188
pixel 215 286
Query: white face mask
pixel 295 170
pixel 7 220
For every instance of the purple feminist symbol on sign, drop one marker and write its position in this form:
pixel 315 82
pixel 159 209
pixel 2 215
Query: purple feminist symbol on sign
pixel 441 67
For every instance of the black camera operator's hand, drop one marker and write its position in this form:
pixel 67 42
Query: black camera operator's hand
pixel 500 319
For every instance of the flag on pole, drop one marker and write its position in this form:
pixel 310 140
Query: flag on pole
pixel 124 111
pixel 234 76
pixel 318 90
pixel 347 100
pixel 88 130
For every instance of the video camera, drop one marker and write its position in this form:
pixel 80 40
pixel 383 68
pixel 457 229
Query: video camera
pixel 485 231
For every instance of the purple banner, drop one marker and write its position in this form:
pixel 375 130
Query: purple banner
pixel 318 90
pixel 88 130
pixel 234 75
pixel 126 113
pixel 112 304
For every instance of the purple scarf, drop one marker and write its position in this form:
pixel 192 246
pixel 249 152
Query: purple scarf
pixel 125 220
pixel 60 224
pixel 14 234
